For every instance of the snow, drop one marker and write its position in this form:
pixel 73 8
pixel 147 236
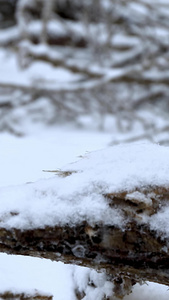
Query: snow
pixel 121 40
pixel 151 291
pixel 17 153
pixel 9 34
pixel 84 276
pixel 29 275
pixel 138 8
pixel 125 167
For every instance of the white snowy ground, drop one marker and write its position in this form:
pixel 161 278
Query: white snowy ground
pixel 22 160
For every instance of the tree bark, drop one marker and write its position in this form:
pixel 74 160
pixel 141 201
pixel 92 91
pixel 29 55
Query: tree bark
pixel 23 296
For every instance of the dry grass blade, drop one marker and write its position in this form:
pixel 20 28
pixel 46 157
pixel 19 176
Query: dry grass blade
pixel 61 173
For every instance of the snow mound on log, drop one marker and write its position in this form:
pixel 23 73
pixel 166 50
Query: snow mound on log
pixel 125 167
pixel 78 194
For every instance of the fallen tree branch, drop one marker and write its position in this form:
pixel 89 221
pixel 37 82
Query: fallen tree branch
pixel 107 211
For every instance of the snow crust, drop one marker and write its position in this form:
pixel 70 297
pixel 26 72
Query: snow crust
pixel 80 196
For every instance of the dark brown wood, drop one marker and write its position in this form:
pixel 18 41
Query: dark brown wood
pixel 23 296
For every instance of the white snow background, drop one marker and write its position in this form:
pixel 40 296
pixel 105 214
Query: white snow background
pixel 22 160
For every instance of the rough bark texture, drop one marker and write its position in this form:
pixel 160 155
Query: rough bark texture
pixel 131 255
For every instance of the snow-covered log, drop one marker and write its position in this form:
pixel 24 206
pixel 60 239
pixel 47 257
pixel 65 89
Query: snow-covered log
pixel 107 211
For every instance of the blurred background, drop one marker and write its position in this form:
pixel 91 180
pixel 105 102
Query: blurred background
pixel 95 64
pixel 77 76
